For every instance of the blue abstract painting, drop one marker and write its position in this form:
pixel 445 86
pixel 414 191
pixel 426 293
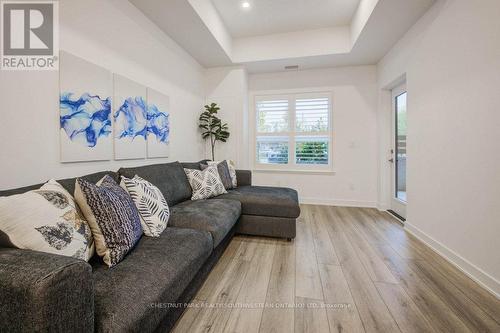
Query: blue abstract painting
pixel 131 119
pixel 86 118
pixel 158 124
pixel 85 110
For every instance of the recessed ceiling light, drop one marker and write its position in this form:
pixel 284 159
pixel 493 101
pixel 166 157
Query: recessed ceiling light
pixel 245 4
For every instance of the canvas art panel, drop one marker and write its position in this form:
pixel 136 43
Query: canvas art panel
pixel 159 124
pixel 85 105
pixel 130 119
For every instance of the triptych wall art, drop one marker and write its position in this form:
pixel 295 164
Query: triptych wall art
pixel 85 110
pixel 100 111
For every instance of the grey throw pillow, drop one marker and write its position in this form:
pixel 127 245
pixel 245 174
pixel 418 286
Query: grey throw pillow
pixel 232 170
pixel 225 175
pixel 112 216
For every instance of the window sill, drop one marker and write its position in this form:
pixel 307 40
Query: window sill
pixel 299 171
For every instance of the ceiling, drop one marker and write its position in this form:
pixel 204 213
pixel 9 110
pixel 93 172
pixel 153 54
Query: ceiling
pixel 278 16
pixel 273 34
pixel 180 22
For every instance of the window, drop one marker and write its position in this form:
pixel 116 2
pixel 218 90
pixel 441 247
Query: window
pixel 293 131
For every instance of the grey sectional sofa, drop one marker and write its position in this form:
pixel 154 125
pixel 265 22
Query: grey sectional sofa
pixel 148 290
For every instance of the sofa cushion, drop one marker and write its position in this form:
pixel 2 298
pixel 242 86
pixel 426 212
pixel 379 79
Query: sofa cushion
pixel 214 216
pixel 168 177
pixel 244 177
pixel 133 296
pixel 265 201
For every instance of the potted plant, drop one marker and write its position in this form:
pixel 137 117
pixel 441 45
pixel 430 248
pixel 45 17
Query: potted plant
pixel 212 127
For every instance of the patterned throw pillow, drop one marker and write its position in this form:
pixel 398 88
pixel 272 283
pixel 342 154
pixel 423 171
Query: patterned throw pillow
pixel 224 174
pixel 46 220
pixel 232 170
pixel 152 206
pixel 112 215
pixel 205 183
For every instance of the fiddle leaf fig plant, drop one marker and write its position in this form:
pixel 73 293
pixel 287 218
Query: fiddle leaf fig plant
pixel 212 127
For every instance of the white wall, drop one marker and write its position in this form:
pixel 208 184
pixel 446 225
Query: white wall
pixel 114 35
pixel 355 135
pixel 306 43
pixel 227 86
pixel 451 59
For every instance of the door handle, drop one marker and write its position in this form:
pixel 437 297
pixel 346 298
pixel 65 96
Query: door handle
pixel 391 160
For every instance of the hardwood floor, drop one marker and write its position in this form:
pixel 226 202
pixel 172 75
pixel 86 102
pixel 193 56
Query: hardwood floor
pixel 348 270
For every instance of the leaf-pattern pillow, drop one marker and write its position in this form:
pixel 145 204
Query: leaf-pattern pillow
pixel 205 183
pixel 152 206
pixel 46 220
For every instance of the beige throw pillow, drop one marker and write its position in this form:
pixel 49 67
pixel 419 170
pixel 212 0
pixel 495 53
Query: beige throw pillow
pixel 46 220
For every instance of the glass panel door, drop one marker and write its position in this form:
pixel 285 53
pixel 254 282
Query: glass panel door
pixel 400 145
pixel 399 153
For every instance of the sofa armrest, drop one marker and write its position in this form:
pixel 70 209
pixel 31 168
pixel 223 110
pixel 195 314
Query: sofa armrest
pixel 244 177
pixel 42 292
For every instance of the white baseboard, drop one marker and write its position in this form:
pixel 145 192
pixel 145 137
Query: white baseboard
pixel 475 273
pixel 335 202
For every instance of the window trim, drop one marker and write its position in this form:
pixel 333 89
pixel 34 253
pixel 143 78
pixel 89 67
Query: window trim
pixel 292 95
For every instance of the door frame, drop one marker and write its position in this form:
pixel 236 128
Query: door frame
pixel 397 205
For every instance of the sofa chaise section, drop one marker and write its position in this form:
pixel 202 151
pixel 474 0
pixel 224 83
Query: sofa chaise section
pixel 265 201
pixel 266 211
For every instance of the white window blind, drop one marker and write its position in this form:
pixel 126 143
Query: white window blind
pixel 272 116
pixel 311 114
pixel 293 131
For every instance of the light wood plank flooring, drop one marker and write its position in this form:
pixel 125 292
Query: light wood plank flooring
pixel 348 270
